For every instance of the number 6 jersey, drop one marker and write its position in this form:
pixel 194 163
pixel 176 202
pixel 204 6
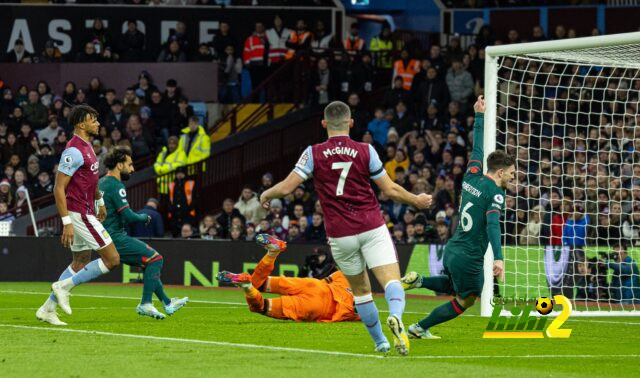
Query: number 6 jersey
pixel 342 171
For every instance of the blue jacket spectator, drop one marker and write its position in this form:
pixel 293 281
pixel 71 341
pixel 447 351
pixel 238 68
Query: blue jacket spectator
pixel 625 281
pixel 379 127
pixel 155 229
pixel 574 233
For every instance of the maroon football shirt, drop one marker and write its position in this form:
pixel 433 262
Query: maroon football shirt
pixel 79 161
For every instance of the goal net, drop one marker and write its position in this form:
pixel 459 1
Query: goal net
pixel 568 111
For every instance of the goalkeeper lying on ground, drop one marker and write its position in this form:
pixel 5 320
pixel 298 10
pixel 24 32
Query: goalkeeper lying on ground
pixel 303 299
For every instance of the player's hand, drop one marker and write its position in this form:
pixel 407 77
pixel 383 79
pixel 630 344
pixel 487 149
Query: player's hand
pixel 424 201
pixel 478 107
pixel 67 235
pixel 148 221
pixel 102 213
pixel 265 201
pixel 498 269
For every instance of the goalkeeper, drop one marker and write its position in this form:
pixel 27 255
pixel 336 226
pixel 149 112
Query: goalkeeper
pixel 482 202
pixel 132 251
pixel 303 299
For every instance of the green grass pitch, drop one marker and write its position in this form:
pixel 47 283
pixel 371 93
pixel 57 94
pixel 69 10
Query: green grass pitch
pixel 216 336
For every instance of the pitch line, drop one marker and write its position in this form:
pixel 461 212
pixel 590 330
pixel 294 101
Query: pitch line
pixel 239 304
pixel 301 350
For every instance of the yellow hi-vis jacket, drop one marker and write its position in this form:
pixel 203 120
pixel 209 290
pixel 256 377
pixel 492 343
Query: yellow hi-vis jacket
pixel 200 148
pixel 168 162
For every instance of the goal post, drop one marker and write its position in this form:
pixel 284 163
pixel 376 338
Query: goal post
pixel 559 107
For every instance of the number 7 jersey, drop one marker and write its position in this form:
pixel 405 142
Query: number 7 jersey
pixel 480 196
pixel 342 171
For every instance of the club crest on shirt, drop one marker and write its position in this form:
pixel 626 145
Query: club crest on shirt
pixel 303 159
pixel 105 234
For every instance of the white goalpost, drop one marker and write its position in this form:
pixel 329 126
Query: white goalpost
pixel 568 110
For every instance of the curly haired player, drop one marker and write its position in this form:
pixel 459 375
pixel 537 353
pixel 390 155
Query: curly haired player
pixel 303 299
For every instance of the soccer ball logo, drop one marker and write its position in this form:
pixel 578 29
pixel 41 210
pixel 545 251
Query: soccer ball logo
pixel 544 305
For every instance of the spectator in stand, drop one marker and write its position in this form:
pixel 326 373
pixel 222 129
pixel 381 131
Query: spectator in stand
pixel 153 229
pixel 403 121
pixel 576 226
pixel 116 119
pixel 180 118
pixel 256 55
pixel 132 43
pixel 433 90
pixel 195 142
pixel 186 231
pixel 160 113
pixel 437 61
pixel 442 231
pixel 88 54
pixel 321 40
pixel 33 169
pixel 49 133
pixel 396 94
pixel 531 233
pixel 406 68
pixel 277 37
pixel 34 112
pixel 222 39
pixel 145 87
pixel 537 34
pixel 354 44
pixel 203 54
pixel 293 233
pixel 170 158
pixel 249 206
pixel 18 54
pixel 460 83
pixel 100 36
pixel 172 53
pixel 379 127
pixel 365 74
pixel 399 161
pixel 182 201
pixel 230 70
pixel 560 32
pixel 44 185
pixel 299 41
pixel 485 37
pixel 44 92
pixel 207 222
pixel 625 280
pixel 224 219
pixel 631 226
pixel 315 232
pixel 95 92
pixel 131 102
pixel 51 53
pixel 179 34
pixel 454 50
pixel 142 143
pixel 101 153
pixel 6 193
pixel 5 216
pixel 382 48
pixel 359 115
pixel 323 84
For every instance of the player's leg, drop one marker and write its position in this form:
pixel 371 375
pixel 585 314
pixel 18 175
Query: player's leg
pixel 346 253
pixel 380 255
pixel 264 268
pixel 269 307
pixel 439 284
pixel 88 232
pixel 467 280
pixel 47 312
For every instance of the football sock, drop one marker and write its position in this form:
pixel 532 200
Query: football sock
pixel 394 294
pixel 91 271
pixel 262 270
pixel 442 314
pixel 254 299
pixel 52 301
pixel 162 296
pixel 439 284
pixel 151 279
pixel 369 314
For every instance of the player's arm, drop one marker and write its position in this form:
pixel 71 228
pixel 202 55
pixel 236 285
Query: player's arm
pixel 301 172
pixel 494 236
pixel 118 197
pixel 477 154
pixel 70 161
pixel 392 190
pixel 399 194
pixel 102 210
pixel 281 189
pixel 131 216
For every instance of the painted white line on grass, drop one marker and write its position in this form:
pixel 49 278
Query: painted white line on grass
pixel 194 341
pixel 239 304
pixel 310 351
pixel 117 297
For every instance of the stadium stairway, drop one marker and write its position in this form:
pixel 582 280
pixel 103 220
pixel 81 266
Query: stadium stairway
pixel 247 116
